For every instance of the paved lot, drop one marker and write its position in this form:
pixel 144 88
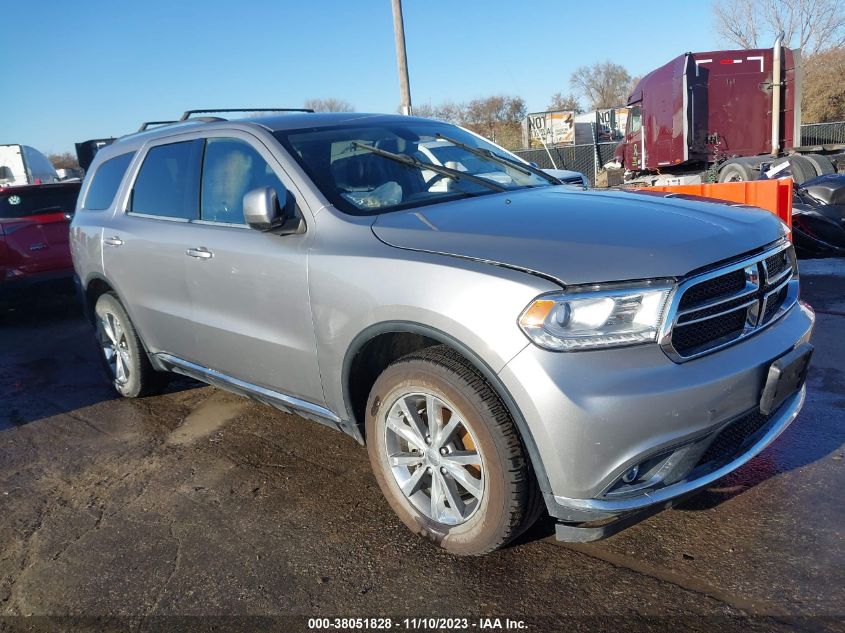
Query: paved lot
pixel 198 503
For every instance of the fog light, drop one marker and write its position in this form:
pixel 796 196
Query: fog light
pixel 631 475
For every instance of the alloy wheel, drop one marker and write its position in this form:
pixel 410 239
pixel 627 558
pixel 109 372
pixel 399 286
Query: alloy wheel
pixel 434 458
pixel 114 346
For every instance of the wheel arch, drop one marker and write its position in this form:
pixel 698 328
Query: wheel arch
pixel 91 290
pixel 380 344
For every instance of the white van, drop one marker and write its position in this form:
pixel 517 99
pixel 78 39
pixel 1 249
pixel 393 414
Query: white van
pixel 25 165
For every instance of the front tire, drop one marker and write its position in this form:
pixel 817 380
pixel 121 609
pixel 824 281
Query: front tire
pixel 123 355
pixel 446 454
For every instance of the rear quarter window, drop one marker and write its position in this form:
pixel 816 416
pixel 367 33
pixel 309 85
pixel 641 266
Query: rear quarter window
pixel 106 182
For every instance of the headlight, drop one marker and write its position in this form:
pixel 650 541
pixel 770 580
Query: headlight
pixel 597 316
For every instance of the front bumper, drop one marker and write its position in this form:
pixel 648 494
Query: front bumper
pixel 594 415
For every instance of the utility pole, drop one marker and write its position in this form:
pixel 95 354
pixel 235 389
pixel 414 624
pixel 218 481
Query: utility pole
pixel 401 56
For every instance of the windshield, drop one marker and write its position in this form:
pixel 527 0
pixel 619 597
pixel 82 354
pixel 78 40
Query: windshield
pixel 362 182
pixel 444 153
pixel 25 202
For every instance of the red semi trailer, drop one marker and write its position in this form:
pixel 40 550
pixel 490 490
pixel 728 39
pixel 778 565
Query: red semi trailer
pixel 709 116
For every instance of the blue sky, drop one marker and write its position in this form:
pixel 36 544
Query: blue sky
pixel 79 70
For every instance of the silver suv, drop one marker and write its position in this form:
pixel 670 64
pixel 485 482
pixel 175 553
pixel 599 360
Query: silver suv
pixel 503 344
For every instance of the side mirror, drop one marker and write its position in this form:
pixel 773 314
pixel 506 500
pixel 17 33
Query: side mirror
pixel 263 211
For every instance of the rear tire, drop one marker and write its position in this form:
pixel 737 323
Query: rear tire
pixel 736 172
pixel 821 164
pixel 123 355
pixel 802 169
pixel 464 482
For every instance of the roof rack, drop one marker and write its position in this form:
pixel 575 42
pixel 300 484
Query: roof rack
pixel 187 114
pixel 148 124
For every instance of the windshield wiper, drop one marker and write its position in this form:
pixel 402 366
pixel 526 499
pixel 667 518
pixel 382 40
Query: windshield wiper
pixel 502 160
pixel 421 164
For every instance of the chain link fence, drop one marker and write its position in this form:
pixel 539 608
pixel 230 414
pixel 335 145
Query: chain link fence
pixel 589 158
pixel 823 133
pixel 574 157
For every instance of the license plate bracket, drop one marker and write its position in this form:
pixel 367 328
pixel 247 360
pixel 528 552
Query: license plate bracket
pixel 786 376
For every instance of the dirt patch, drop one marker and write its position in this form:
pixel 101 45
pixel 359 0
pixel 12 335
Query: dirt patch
pixel 211 414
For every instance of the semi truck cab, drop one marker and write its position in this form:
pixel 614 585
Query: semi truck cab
pixel 714 108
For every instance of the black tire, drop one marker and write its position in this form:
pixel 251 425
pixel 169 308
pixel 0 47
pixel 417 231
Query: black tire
pixel 736 172
pixel 820 163
pixel 802 169
pixel 138 378
pixel 510 502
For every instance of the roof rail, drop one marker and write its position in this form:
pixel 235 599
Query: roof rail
pixel 187 114
pixel 148 124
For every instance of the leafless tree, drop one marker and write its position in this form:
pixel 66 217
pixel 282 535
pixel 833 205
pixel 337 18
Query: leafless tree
pixel 565 102
pixel 823 97
pixel 812 25
pixel 448 111
pixel 331 104
pixel 65 160
pixel 498 117
pixel 605 84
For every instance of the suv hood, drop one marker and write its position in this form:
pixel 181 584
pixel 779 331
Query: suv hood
pixel 579 237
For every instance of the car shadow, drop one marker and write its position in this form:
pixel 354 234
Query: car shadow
pixel 49 361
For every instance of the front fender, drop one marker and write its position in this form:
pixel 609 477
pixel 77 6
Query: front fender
pixel 471 302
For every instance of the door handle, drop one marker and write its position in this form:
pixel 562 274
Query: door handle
pixel 201 252
pixel 114 240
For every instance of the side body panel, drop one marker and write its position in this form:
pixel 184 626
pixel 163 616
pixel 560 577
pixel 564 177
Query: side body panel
pixel 144 260
pixel 358 282
pixel 251 310
pixel 148 272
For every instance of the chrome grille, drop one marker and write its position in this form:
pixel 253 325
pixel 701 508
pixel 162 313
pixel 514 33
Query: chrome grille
pixel 727 284
pixel 720 307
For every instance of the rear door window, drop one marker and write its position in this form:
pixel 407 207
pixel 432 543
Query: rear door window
pixel 231 168
pixel 38 200
pixel 168 182
pixel 106 181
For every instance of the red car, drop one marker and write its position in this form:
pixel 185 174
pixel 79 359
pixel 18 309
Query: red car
pixel 34 221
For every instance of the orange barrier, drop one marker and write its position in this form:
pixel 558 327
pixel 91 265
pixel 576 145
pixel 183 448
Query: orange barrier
pixel 772 195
